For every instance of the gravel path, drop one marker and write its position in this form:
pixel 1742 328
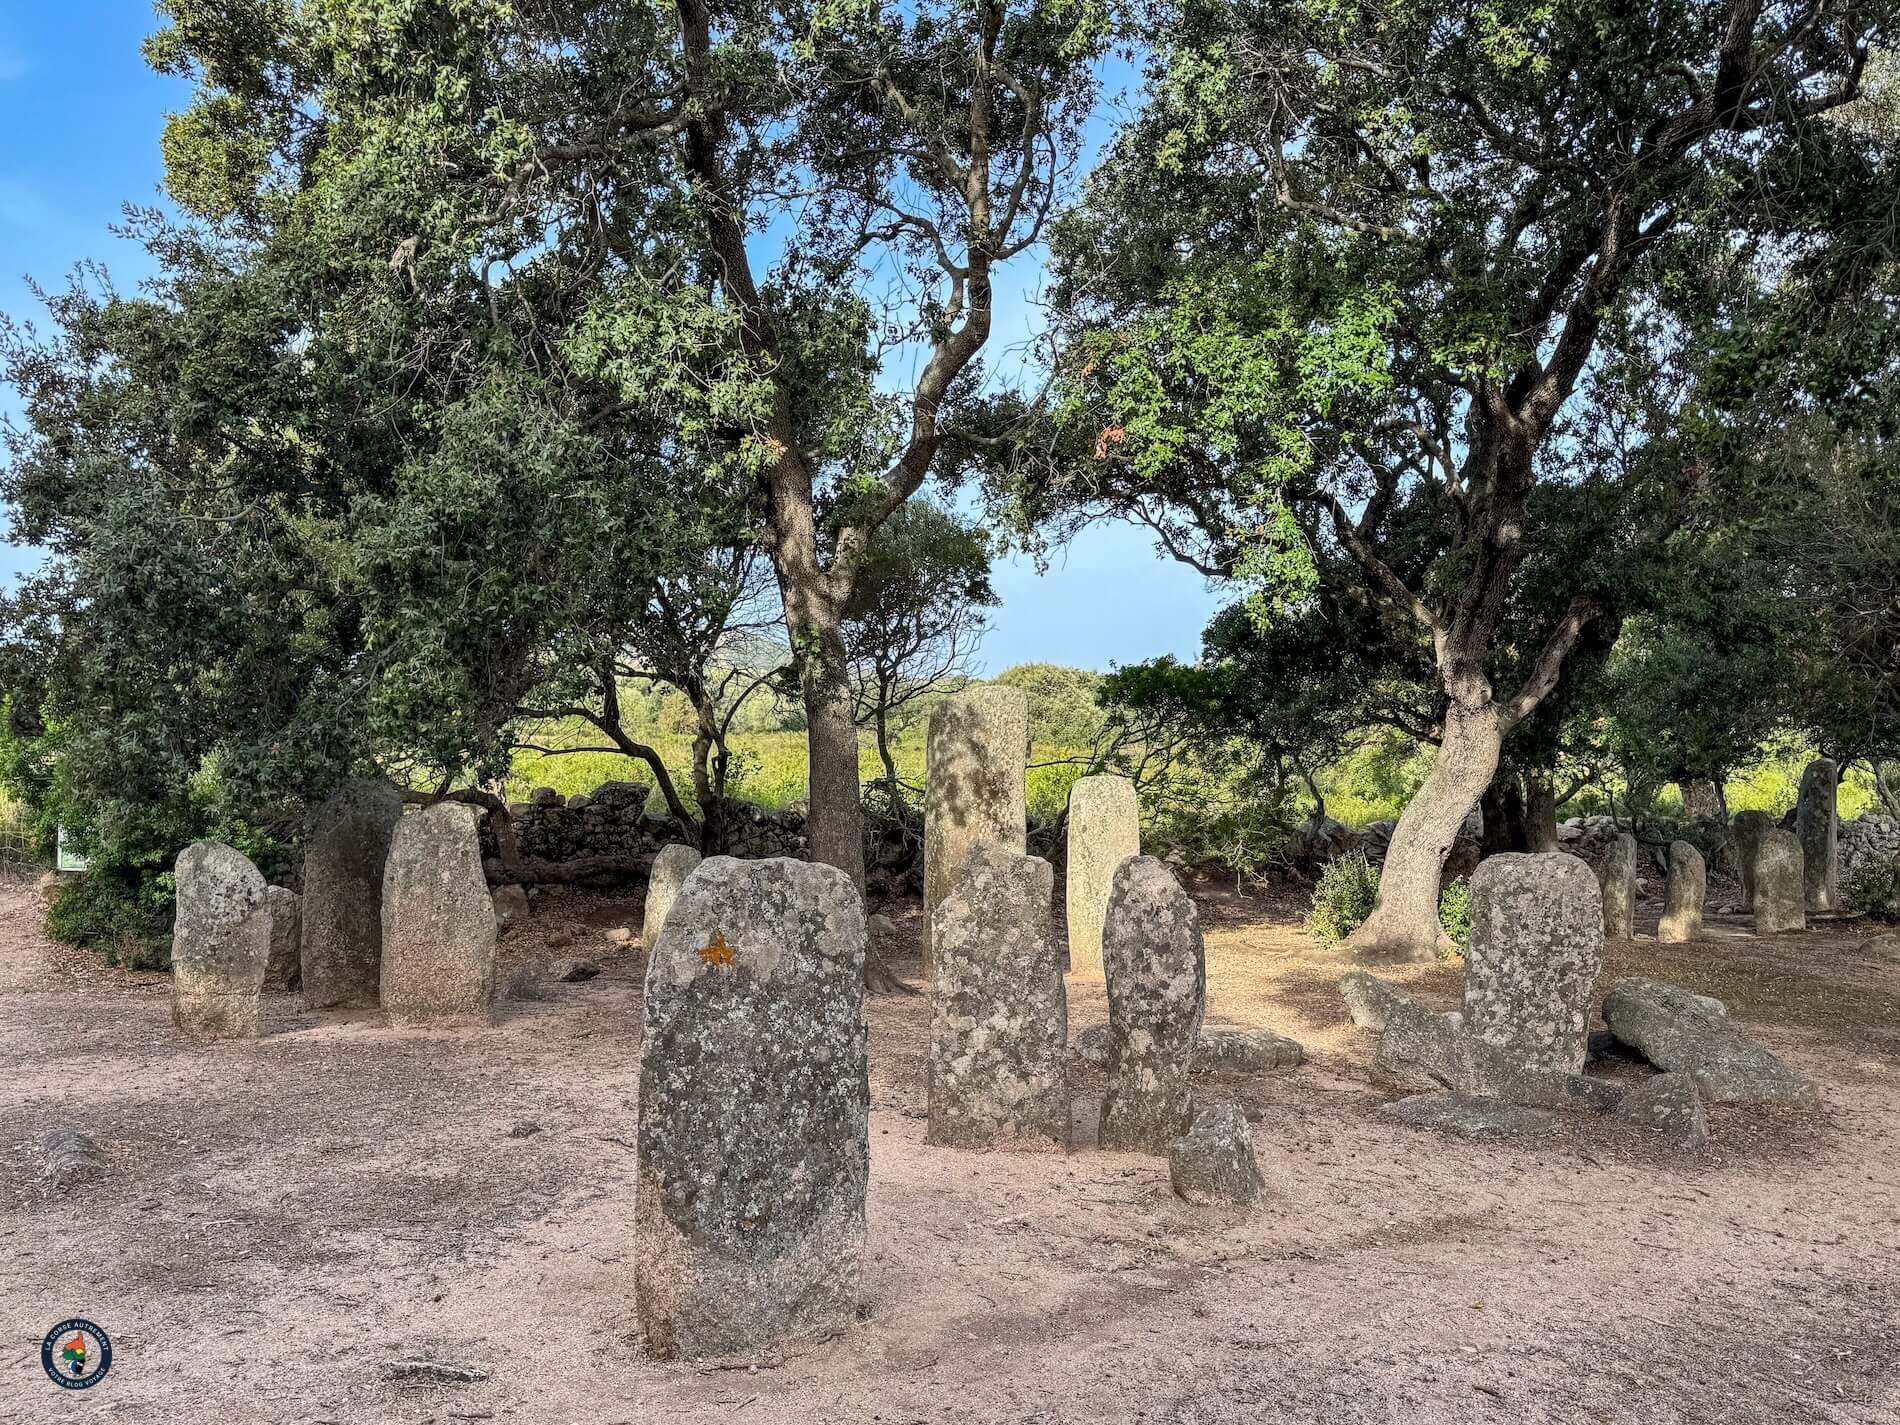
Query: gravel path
pixel 283 1216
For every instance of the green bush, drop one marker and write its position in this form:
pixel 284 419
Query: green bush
pixel 125 919
pixel 1350 884
pixel 1870 891
pixel 1343 898
pixel 1454 913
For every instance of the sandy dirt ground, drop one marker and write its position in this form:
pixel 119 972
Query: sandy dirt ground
pixel 283 1216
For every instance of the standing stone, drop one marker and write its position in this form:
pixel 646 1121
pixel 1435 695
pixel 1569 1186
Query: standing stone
pixel 1780 883
pixel 976 785
pixel 1536 946
pixel 670 870
pixel 1702 800
pixel 285 969
pixel 1683 895
pixel 754 1111
pixel 438 922
pixel 343 894
pixel 1157 994
pixel 1618 878
pixel 1746 832
pixel 1820 830
pixel 1213 1164
pixel 220 942
pixel 999 1020
pixel 1104 831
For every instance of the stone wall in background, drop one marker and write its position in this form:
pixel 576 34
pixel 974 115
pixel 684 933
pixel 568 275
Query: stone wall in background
pixel 624 819
pixel 613 820
pixel 1870 839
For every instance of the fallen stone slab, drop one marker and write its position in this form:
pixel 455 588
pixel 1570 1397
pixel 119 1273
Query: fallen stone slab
pixel 1247 1051
pixel 71 1158
pixel 1417 1040
pixel 527 984
pixel 1213 1163
pixel 1669 1108
pixel 1679 1031
pixel 1887 946
pixel 1369 998
pixel 413 1371
pixel 1463 1116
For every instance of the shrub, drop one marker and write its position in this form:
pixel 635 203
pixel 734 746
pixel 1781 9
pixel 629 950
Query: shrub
pixel 125 919
pixel 1870 891
pixel 1343 898
pixel 1454 913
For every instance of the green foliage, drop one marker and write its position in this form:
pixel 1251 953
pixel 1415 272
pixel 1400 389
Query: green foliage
pixel 1871 891
pixel 1343 897
pixel 1454 912
pixel 1063 709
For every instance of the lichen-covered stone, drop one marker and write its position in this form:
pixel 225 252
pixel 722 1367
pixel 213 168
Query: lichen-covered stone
pixel 999 1022
pixel 1678 1031
pixel 1368 998
pixel 1416 1042
pixel 1248 1051
pixel 1669 1108
pixel 754 1111
pixel 1104 831
pixel 1536 947
pixel 1683 896
pixel 1818 826
pixel 1746 830
pixel 1463 1116
pixel 1091 1045
pixel 220 942
pixel 975 785
pixel 670 870
pixel 1780 883
pixel 285 968
pixel 1617 878
pixel 1213 1163
pixel 1157 993
pixel 438 922
pixel 343 894
pixel 510 905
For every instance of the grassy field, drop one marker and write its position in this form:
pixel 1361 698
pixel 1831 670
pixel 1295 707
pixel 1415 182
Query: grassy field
pixel 1374 783
pixel 769 767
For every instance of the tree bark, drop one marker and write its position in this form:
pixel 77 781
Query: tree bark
pixel 1504 820
pixel 1540 812
pixel 1404 920
pixel 834 825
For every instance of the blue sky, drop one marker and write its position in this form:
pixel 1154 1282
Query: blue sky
pixel 80 118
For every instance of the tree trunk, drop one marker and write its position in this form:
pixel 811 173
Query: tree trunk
pixel 834 826
pixel 1404 920
pixel 1503 808
pixel 1540 812
pixel 884 753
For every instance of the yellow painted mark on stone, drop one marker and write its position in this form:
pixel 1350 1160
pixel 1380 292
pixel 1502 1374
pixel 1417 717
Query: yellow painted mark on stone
pixel 717 953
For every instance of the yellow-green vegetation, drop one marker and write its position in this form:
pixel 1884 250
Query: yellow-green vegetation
pixel 1373 782
pixel 769 768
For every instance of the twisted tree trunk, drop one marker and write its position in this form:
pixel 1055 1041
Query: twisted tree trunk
pixel 1404 921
